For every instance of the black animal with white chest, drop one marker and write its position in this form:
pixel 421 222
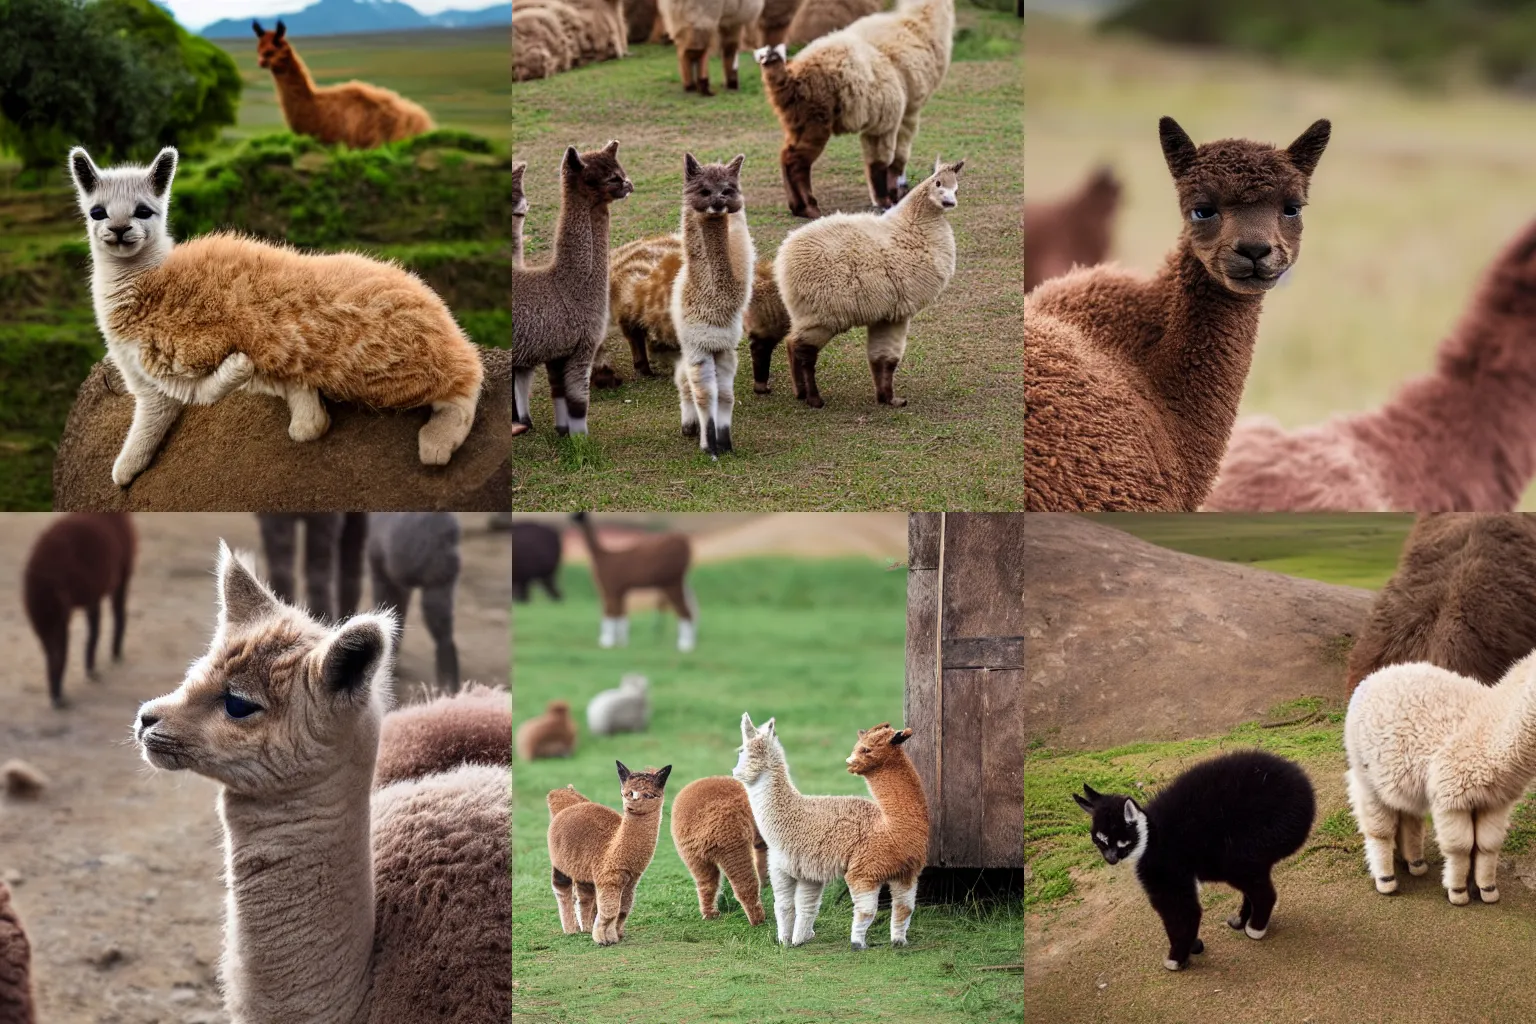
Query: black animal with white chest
pixel 1229 819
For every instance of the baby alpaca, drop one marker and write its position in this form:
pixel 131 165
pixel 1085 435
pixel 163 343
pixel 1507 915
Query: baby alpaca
pixel 712 829
pixel 361 115
pixel 1131 385
pixel 419 551
pixel 80 559
pixel 16 1003
pixel 473 726
pixel 693 24
pixel 552 734
pixel 625 709
pixel 330 916
pixel 601 854
pixel 1229 819
pixel 188 324
pixel 867 270
pixel 660 561
pixel 1071 232
pixel 814 839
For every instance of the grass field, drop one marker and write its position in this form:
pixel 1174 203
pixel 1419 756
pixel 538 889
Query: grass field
pixel 1415 195
pixel 953 446
pixel 820 645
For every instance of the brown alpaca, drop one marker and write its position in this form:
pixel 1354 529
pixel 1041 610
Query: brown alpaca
pixel 1463 598
pixel 80 559
pixel 361 115
pixel 817 18
pixel 712 829
pixel 16 1002
pixel 552 734
pixel 601 854
pixel 473 726
pixel 1131 385
pixel 1071 232
pixel 660 561
pixel 767 323
pixel 640 277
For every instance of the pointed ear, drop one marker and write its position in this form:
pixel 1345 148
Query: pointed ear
pixel 938 163
pixel 748 730
pixel 767 729
pixel 1178 148
pixel 612 149
pixel 1131 810
pixel 256 27
pixel 958 165
pixel 282 29
pixel 357 651
pixel 901 737
pixel 863 731
pixel 690 167
pixel 623 772
pixel 1086 805
pixel 1093 794
pixel 84 170
pixel 572 165
pixel 735 165
pixel 1308 148
pixel 162 171
pixel 242 597
pixel 883 725
pixel 661 776
pixel 782 51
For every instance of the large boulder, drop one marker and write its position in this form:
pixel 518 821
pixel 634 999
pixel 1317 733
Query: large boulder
pixel 1127 641
pixel 236 456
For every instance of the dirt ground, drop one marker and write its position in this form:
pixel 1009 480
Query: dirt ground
pixel 116 868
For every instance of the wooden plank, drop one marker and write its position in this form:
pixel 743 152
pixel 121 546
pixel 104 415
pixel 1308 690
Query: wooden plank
pixel 996 652
pixel 983 575
pixel 960 792
pixel 1002 770
pixel 924 531
pixel 922 692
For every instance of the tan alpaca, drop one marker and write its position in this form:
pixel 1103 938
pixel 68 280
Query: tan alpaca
pixel 640 278
pixel 595 27
pixel 601 854
pixel 330 915
pixel 712 829
pixel 552 734
pixel 693 24
pixel 814 839
pixel 542 45
pixel 361 115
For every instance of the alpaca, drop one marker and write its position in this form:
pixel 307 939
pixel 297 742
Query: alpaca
pixel 542 47
pixel 767 323
pixel 865 269
pixel 814 839
pixel 601 854
pixel 596 27
pixel 817 18
pixel 660 561
pixel 1463 598
pixel 77 561
pixel 536 552
pixel 419 551
pixel 361 115
pixel 870 79
pixel 624 709
pixel 1071 232
pixel 552 734
pixel 333 558
pixel 190 323
pixel 713 830
pixel 519 211
pixel 640 278
pixel 560 310
pixel 472 726
pixel 1420 738
pixel 1458 439
pixel 1131 385
pixel 692 24
pixel 330 915
pixel 709 299
pixel 16 1001
pixel 642 21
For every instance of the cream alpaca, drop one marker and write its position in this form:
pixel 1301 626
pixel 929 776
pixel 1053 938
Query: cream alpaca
pixel 865 269
pixel 693 24
pixel 188 324
pixel 542 44
pixel 329 917
pixel 712 829
pixel 814 839
pixel 1423 739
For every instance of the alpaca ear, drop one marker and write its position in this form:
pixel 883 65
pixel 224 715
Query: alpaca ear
pixel 1131 810
pixel 735 165
pixel 762 53
pixel 612 149
pixel 690 167
pixel 1093 794
pixel 863 731
pixel 162 171
pixel 767 729
pixel 748 731
pixel 355 653
pixel 573 164
pixel 282 29
pixel 958 165
pixel 623 772
pixel 256 27
pixel 242 597
pixel 518 169
pixel 661 776
pixel 782 51
pixel 901 737
pixel 1308 148
pixel 1086 805
pixel 1178 148
pixel 84 170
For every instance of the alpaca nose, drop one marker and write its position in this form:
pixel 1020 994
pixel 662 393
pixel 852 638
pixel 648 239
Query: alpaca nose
pixel 146 720
pixel 119 231
pixel 1254 250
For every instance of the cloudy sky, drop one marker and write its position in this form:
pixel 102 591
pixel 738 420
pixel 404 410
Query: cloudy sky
pixel 196 13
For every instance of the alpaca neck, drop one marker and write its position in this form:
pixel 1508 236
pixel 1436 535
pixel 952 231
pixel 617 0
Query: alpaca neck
pixel 112 277
pixel 295 87
pixel 708 244
pixel 1512 748
pixel 899 792
pixel 581 240
pixel 772 796
pixel 517 239
pixel 300 911
pixel 637 833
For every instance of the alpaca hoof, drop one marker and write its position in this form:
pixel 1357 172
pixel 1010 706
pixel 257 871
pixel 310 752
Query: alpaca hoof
pixel 1490 894
pixel 815 402
pixel 1255 933
pixel 710 915
pixel 691 428
pixel 1199 946
pixel 1236 922
pixel 704 87
pixel 1387 885
pixel 92 676
pixel 761 388
pixel 711 443
pixel 723 439
pixel 1175 965
pixel 1418 867
pixel 857 946
pixel 60 704
pixel 690 87
pixel 897 403
pixel 1458 897
pixel 898 942
pixel 644 370
pixel 563 431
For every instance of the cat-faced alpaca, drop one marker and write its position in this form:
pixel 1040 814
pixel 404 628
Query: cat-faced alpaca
pixel 127 213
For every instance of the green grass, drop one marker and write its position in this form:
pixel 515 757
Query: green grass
pixel 953 446
pixel 819 645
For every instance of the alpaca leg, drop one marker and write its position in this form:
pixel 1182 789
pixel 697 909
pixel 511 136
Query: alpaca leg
pixel 522 395
pixel 279 542
pixel 698 63
pixel 877 168
pixel 153 415
pixel 866 903
pixel 450 424
pixel 685 401
pixel 307 418
pixel 760 860
pixel 805 349
pixel 605 930
pixel 903 903
pixel 725 384
pixel 706 879
pixel 92 634
pixel 1453 828
pixel 886 344
pixel 676 594
pixel 609 635
pixel 797 157
pixel 586 906
pixel 386 592
pixel 437 609
pixel 742 873
pixel 730 43
pixel 1180 912
pixel 685 67
pixel 349 574
pixel 321 533
pixel 807 906
pixel 1239 920
pixel 55 639
pixel 1410 842
pixel 706 400
pixel 783 901
pixel 903 153
pixel 635 334
pixel 1490 828
pixel 551 589
pixel 565 901
pixel 762 363
pixel 626 904
pixel 119 618
pixel 1259 897
pixel 555 369
pixel 578 374
pixel 1378 826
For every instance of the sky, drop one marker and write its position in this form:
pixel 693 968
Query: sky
pixel 196 13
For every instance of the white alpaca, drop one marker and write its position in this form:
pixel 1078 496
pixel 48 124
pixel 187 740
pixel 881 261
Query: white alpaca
pixel 1422 739
pixel 625 709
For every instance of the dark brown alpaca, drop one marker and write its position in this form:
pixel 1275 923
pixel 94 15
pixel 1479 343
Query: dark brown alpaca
pixel 536 551
pixel 1463 598
pixel 1071 232
pixel 16 1003
pixel 1131 385
pixel 712 829
pixel 659 561
pixel 333 558
pixel 79 560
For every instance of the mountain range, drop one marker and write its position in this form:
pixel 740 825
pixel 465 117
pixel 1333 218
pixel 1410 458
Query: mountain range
pixel 336 17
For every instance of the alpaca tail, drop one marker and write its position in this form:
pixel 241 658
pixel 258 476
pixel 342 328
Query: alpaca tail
pixel 560 799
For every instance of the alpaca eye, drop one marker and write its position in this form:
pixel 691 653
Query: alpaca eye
pixel 1292 209
pixel 98 213
pixel 143 212
pixel 239 707
pixel 1202 212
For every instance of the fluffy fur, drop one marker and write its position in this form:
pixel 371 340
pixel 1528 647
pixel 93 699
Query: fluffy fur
pixel 598 29
pixel 190 323
pixel 713 831
pixel 1071 232
pixel 598 855
pixel 817 18
pixel 693 24
pixel 659 561
pixel 333 558
pixel 560 310
pixel 552 734
pixel 870 79
pixel 626 708
pixel 79 560
pixel 814 839
pixel 419 551
pixel 361 115
pixel 1458 439
pixel 640 279
pixel 284 713
pixel 519 211
pixel 16 1001
pixel 1131 385
pixel 864 269
pixel 536 552
pixel 473 726
pixel 542 46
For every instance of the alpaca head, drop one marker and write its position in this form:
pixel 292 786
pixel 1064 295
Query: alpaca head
pixel 1242 202
pixel 272 49
pixel 760 751
pixel 280 702
pixel 633 682
pixel 126 208
pixel 642 791
pixel 1101 192
pixel 558 709
pixel 596 176
pixel 1119 824
pixel 519 200
pixel 939 190
pixel 876 748
pixel 712 190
